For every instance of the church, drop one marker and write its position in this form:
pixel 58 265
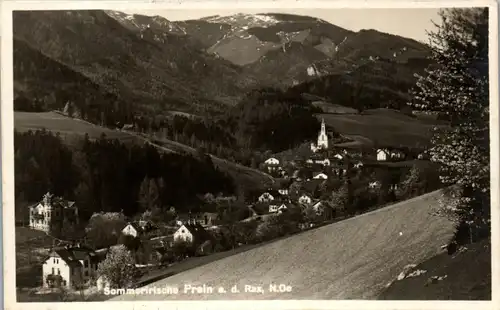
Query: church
pixel 322 143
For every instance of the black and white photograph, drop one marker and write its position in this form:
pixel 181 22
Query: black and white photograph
pixel 249 153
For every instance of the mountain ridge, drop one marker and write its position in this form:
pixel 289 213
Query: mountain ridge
pixel 206 65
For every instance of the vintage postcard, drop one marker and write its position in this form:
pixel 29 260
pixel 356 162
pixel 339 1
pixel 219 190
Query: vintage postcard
pixel 275 154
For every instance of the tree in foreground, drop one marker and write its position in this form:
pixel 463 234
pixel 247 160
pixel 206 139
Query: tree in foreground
pixel 118 268
pixel 457 86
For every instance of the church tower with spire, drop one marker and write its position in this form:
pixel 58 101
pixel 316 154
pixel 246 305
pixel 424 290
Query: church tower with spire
pixel 322 137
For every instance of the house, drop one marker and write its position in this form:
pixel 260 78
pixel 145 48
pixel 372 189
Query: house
pixel 132 229
pixel 338 156
pixel 138 228
pixel 304 199
pixel 320 175
pixel 272 164
pixel 273 208
pixel 270 195
pixel 282 208
pixel 50 214
pixel 69 266
pixel 272 161
pixel 283 191
pixel 206 219
pixel 322 209
pixel 382 154
pixel 192 233
pixel 397 154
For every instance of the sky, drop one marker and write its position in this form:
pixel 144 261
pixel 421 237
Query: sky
pixel 410 22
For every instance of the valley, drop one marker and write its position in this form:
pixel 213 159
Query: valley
pixel 231 150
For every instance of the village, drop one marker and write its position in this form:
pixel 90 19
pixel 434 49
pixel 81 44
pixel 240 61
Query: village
pixel 309 192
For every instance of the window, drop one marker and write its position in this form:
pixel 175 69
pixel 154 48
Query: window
pixel 183 231
pixel 86 273
pixel 52 270
pixel 58 271
pixel 86 263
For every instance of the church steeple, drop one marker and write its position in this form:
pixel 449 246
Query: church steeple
pixel 322 137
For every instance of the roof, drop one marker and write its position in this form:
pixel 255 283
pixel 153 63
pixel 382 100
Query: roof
pixel 135 225
pixel 66 204
pixel 73 255
pixel 140 226
pixel 198 232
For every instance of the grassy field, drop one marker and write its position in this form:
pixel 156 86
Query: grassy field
pixel 24 234
pixel 31 247
pixel 328 107
pixel 382 127
pixel 67 127
pixel 351 259
pixel 468 277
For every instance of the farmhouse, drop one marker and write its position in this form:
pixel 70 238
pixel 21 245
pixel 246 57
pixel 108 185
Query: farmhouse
pixel 50 214
pixel 384 154
pixel 192 233
pixel 69 267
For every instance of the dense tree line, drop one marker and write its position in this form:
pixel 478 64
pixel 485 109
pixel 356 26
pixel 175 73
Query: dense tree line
pixel 106 175
pixel 265 120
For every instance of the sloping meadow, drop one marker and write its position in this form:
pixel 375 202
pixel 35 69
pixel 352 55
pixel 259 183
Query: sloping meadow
pixel 352 259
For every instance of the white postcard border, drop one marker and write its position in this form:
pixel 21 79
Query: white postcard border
pixel 7 125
